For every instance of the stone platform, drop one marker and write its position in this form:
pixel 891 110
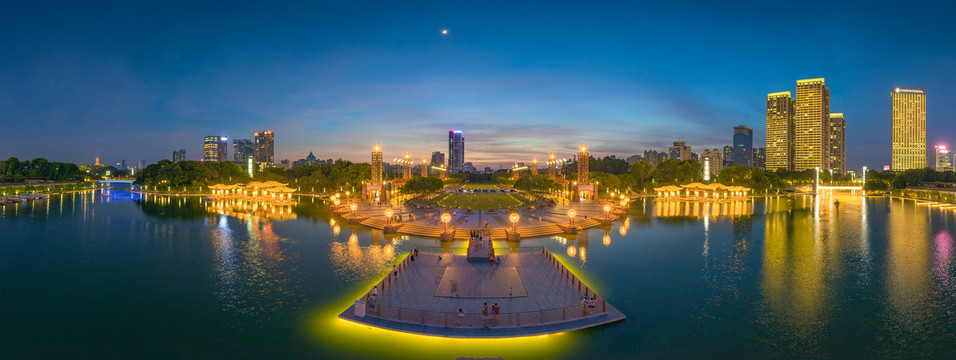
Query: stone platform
pixel 537 295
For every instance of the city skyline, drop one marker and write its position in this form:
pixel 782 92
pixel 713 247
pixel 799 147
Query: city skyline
pixel 334 79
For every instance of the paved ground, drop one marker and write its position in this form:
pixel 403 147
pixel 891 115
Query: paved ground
pixel 460 220
pixel 548 300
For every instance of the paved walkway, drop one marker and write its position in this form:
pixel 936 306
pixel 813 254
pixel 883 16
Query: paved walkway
pixel 536 295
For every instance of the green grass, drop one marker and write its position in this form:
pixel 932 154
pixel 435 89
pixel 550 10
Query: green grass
pixel 479 186
pixel 480 202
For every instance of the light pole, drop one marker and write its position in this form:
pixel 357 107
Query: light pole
pixel 607 211
pixel 514 221
pixel 388 216
pixel 353 206
pixel 571 215
pixel 445 219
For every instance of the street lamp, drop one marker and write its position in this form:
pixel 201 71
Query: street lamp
pixel 353 206
pixel 624 204
pixel 607 211
pixel 514 221
pixel 445 219
pixel 388 216
pixel 571 215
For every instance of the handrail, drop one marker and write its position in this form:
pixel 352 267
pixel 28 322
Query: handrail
pixel 502 320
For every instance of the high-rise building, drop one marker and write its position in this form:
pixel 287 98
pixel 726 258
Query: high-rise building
pixel 760 158
pixel 728 155
pixel 743 145
pixel 811 125
pixel 242 150
pixel 943 158
pixel 711 159
pixel 456 152
pixel 179 155
pixel 438 159
pixel 214 148
pixel 264 148
pixel 909 128
pixel 779 131
pixel 838 143
pixel 680 151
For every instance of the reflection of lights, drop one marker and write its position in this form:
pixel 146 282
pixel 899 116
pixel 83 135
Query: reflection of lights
pixel 572 251
pixel 336 230
pixel 607 239
pixel 584 254
pixel 353 238
pixel 332 222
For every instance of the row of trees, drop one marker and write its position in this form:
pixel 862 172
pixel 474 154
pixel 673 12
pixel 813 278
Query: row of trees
pixel 40 167
pixel 881 181
pixel 191 174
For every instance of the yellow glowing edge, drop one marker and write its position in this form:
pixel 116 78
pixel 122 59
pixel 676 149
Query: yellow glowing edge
pixel 776 94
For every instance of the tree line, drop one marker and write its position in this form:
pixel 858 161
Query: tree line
pixel 40 167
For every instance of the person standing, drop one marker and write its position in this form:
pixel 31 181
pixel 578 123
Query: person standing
pixel 461 316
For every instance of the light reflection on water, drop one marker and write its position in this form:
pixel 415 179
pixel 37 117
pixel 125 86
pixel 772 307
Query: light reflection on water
pixel 791 277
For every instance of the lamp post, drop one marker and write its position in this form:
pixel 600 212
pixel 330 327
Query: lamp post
pixel 514 221
pixel 353 206
pixel 388 217
pixel 607 211
pixel 571 215
pixel 445 219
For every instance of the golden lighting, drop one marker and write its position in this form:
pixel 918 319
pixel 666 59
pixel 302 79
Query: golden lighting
pixel 353 206
pixel 445 217
pixel 513 217
pixel 353 238
pixel 336 230
pixel 607 239
pixel 607 208
pixel 389 213
pixel 572 251
pixel 336 202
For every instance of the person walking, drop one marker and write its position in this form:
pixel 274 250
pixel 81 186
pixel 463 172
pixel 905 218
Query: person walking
pixel 461 316
pixel 497 310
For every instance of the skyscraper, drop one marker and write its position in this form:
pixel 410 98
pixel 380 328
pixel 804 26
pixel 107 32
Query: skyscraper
pixel 264 148
pixel 214 148
pixel 743 145
pixel 456 152
pixel 680 151
pixel 909 128
pixel 943 158
pixel 779 131
pixel 838 143
pixel 179 155
pixel 811 125
pixel 728 155
pixel 760 158
pixel 242 150
pixel 438 159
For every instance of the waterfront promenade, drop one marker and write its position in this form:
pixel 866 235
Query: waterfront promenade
pixel 537 295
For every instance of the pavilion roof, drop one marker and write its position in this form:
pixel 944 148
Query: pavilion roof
pixel 281 189
pixel 668 188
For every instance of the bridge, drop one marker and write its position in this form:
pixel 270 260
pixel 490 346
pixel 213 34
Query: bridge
pixel 115 181
pixel 823 187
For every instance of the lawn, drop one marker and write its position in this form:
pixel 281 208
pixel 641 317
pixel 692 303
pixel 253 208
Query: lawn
pixel 480 201
pixel 479 186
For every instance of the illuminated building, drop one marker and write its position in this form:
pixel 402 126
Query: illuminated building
pixel 943 159
pixel 712 162
pixel 680 151
pixel 456 151
pixel 909 128
pixel 779 131
pixel 179 155
pixel 438 159
pixel 743 145
pixel 760 158
pixel 264 148
pixel 837 143
pixel 242 150
pixel 214 148
pixel 811 125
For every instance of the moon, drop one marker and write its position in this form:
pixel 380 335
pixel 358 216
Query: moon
pixel 444 31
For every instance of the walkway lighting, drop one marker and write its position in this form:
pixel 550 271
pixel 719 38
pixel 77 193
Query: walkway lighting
pixel 353 206
pixel 607 211
pixel 571 215
pixel 514 221
pixel 388 216
pixel 336 202
pixel 623 203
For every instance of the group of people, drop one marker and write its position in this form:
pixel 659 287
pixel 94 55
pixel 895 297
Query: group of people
pixel 488 317
pixel 587 305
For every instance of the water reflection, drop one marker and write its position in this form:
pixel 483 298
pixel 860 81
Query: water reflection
pixel 908 262
pixel 351 261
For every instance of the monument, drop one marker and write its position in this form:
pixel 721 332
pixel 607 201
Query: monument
pixel 372 190
pixel 585 189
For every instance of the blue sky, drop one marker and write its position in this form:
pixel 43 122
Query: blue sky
pixel 137 79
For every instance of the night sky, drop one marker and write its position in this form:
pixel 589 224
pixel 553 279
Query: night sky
pixel 131 80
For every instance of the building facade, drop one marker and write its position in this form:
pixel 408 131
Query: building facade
pixel 909 128
pixel 264 148
pixel 438 159
pixel 242 150
pixel 943 158
pixel 779 131
pixel 838 143
pixel 214 148
pixel 680 151
pixel 743 145
pixel 760 158
pixel 811 124
pixel 456 151
pixel 712 162
pixel 179 155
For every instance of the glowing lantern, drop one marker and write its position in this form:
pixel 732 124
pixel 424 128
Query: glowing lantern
pixel 388 216
pixel 445 219
pixel 514 221
pixel 571 215
pixel 607 210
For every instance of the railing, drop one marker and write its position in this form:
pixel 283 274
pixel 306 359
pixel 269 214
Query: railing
pixel 478 320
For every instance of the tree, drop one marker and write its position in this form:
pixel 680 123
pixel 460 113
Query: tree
pixel 536 184
pixel 421 185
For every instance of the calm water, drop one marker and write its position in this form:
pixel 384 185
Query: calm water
pixel 87 275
